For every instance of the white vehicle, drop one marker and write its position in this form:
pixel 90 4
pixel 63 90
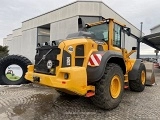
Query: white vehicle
pixel 158 61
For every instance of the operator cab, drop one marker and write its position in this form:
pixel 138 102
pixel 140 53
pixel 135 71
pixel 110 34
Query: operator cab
pixel 106 31
pixel 109 31
pixel 102 31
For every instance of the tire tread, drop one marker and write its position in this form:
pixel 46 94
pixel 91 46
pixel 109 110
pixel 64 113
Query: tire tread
pixel 100 99
pixel 23 61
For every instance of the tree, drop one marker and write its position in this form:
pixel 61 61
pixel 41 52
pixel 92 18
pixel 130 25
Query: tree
pixel 3 51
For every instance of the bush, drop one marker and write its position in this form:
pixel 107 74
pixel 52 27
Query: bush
pixel 3 51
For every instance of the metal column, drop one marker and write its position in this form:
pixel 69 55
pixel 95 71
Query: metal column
pixel 138 42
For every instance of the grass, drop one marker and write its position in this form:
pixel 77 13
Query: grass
pixel 12 78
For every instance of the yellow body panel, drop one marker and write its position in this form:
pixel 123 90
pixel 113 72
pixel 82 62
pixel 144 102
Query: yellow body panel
pixel 89 45
pixel 76 82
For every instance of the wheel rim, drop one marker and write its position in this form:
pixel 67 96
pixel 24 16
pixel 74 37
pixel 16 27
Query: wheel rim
pixel 143 77
pixel 115 86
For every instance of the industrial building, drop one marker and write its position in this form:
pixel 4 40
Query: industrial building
pixel 57 24
pixel 155 29
pixel 153 39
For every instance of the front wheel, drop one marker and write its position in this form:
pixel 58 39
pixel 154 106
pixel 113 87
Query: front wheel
pixel 109 90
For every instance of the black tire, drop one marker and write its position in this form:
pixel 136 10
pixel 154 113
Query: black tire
pixel 137 85
pixel 21 61
pixel 103 97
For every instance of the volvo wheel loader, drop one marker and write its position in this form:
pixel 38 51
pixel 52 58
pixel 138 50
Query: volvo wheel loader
pixel 92 63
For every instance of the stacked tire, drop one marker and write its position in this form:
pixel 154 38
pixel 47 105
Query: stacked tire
pixel 6 73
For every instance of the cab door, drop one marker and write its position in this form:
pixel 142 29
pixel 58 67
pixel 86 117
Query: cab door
pixel 117 36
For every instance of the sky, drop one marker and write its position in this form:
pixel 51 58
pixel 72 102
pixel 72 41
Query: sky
pixel 14 12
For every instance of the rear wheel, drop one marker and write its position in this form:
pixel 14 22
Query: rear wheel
pixel 138 85
pixel 109 89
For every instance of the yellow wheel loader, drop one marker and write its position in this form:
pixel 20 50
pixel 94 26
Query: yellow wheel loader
pixel 92 63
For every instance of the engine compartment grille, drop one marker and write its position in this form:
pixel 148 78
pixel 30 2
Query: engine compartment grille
pixel 45 54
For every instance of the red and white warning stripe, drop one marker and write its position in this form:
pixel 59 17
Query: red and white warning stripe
pixel 95 60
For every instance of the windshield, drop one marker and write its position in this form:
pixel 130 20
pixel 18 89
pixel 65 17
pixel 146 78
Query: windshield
pixel 100 31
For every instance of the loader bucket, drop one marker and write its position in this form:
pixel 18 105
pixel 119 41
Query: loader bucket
pixel 150 76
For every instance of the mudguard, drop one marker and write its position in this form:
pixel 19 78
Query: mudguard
pixel 95 73
pixel 132 75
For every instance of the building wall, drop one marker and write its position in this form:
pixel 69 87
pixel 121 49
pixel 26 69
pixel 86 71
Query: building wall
pixel 17 32
pixel 29 40
pixel 60 29
pixel 53 16
pixel 10 43
pixel 16 45
pixel 89 8
pixel 155 30
pixel 17 41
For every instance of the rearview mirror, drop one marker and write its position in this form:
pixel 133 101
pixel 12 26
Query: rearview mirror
pixel 81 24
pixel 128 31
pixel 134 48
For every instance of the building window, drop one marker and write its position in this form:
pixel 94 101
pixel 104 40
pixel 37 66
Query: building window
pixel 43 35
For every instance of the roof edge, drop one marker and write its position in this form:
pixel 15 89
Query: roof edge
pixel 9 34
pixel 17 29
pixel 155 27
pixel 76 1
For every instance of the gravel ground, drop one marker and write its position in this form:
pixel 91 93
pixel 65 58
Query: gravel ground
pixel 33 102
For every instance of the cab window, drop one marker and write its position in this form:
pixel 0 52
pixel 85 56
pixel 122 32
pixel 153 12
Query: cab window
pixel 117 35
pixel 100 31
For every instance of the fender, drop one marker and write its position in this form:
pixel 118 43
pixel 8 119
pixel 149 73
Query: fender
pixel 132 75
pixel 95 73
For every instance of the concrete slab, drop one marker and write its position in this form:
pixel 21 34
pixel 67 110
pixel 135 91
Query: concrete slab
pixel 29 102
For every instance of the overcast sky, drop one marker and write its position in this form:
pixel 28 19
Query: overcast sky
pixel 13 12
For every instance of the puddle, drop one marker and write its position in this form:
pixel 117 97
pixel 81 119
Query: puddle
pixel 37 106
